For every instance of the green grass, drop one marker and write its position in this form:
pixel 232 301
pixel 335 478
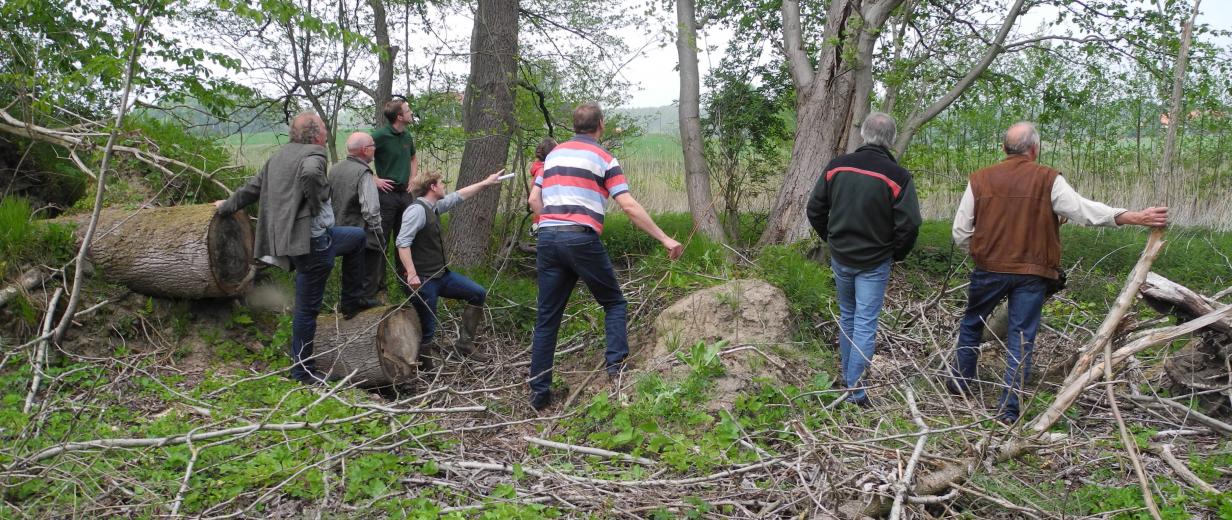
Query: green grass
pixel 25 242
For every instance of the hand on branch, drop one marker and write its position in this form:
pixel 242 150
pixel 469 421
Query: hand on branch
pixel 1149 217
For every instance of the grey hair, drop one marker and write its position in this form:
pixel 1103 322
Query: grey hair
pixel 878 128
pixel 305 128
pixel 1022 141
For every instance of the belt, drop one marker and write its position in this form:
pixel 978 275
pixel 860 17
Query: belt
pixel 570 228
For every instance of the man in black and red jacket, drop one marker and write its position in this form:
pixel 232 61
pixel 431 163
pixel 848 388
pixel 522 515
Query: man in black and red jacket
pixel 864 206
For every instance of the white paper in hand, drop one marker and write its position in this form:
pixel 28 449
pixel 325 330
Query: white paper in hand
pixel 506 177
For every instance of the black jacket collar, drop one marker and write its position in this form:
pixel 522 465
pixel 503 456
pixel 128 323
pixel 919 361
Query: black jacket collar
pixel 878 149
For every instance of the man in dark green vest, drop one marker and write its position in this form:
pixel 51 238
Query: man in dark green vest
pixel 422 253
pixel 356 203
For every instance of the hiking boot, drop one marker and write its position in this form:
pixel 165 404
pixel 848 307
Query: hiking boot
pixel 429 356
pixel 540 401
pixel 956 389
pixel 465 346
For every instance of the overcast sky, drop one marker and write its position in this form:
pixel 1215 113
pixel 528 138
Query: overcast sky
pixel 658 83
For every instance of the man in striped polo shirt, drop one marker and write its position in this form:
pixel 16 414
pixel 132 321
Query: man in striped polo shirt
pixel 578 177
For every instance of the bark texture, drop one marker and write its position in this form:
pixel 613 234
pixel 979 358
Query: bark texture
pixel 385 60
pixel 380 345
pixel 174 252
pixel 824 103
pixel 696 172
pixel 488 121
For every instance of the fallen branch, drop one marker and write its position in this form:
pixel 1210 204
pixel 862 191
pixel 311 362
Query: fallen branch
pixel 588 450
pixel 1165 452
pixel 1137 276
pixel 1187 412
pixel 40 357
pixel 507 468
pixel 107 444
pixel 904 484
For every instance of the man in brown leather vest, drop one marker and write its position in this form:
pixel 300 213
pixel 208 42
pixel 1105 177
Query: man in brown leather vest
pixel 1010 219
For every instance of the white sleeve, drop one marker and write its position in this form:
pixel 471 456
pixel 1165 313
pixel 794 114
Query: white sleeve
pixel 1069 204
pixel 964 220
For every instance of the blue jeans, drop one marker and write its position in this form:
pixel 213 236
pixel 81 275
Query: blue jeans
pixel 860 294
pixel 1026 293
pixel 311 273
pixel 562 258
pixel 449 285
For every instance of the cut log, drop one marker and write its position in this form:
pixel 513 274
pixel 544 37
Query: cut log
pixel 175 252
pixel 1165 295
pixel 1202 364
pixel 380 345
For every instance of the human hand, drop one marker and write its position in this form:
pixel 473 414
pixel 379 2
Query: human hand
pixel 1153 217
pixel 384 185
pixel 219 203
pixel 493 179
pixel 409 189
pixel 674 249
pixel 413 281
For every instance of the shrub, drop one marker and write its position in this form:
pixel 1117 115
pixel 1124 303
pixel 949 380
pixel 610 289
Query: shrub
pixel 24 241
pixel 809 285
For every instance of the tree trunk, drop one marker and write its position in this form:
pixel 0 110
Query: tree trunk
pixel 823 102
pixel 380 345
pixel 875 16
pixel 697 172
pixel 488 121
pixel 385 61
pixel 175 252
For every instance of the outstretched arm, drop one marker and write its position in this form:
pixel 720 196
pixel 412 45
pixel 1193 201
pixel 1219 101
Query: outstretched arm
pixel 637 214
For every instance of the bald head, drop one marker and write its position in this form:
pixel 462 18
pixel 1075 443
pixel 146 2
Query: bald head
pixel 308 128
pixel 1022 139
pixel 358 145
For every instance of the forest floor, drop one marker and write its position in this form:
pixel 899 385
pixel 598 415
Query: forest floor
pixel 156 407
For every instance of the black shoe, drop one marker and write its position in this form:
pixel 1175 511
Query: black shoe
pixel 956 390
pixel 862 403
pixel 539 401
pixel 350 310
pixel 1006 419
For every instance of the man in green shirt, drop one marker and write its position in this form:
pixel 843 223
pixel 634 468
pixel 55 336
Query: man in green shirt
pixel 395 164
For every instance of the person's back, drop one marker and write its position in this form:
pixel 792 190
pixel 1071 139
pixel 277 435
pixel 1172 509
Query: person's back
pixel 863 188
pixel 864 206
pixel 1018 231
pixel 579 175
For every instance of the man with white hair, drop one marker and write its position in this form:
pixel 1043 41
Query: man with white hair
pixel 295 230
pixel 356 203
pixel 864 206
pixel 1009 219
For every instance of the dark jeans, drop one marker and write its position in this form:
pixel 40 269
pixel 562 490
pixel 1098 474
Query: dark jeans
pixel 1026 300
pixel 374 271
pixel 311 273
pixel 393 204
pixel 563 258
pixel 449 285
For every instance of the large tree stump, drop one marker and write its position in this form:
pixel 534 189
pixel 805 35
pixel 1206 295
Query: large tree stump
pixel 1202 364
pixel 380 345
pixel 177 252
